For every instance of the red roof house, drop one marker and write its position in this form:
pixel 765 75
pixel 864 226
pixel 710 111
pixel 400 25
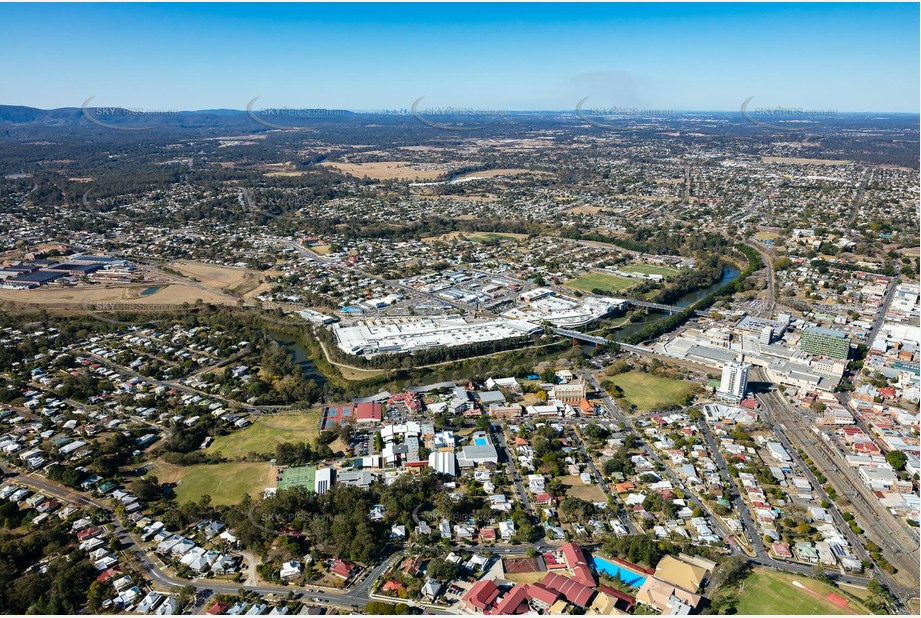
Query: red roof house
pixel 781 550
pixel 343 569
pixel 88 533
pixel 543 499
pixel 107 575
pixel 393 586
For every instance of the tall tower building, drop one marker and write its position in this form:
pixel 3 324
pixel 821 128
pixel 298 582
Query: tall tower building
pixel 734 381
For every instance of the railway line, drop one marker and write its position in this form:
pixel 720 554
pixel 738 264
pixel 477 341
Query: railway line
pixel 877 522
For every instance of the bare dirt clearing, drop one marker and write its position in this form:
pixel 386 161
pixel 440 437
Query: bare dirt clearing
pixel 125 296
pixel 799 161
pixel 225 278
pixel 388 170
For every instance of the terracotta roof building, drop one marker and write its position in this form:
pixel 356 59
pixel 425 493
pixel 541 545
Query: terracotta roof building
pixel 571 590
pixel 514 602
pixel 578 565
pixel 481 596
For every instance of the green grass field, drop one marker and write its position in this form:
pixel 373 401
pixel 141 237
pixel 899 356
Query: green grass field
pixel 225 483
pixel 488 236
pixel 770 592
pixel 299 476
pixel 602 281
pixel 577 489
pixel 650 392
pixel 268 431
pixel 651 269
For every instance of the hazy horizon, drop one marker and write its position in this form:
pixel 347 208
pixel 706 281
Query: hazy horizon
pixel 462 111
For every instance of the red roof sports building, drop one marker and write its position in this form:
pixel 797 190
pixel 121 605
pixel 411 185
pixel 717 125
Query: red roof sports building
pixel 481 596
pixel 368 412
pixel 571 590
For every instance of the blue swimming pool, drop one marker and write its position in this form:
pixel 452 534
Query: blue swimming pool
pixel 480 441
pixel 618 572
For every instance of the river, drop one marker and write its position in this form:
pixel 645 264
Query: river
pixel 300 356
pixel 729 274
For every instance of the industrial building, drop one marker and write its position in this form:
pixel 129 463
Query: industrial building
pixel 323 480
pixel 408 334
pixel 443 462
pixel 562 311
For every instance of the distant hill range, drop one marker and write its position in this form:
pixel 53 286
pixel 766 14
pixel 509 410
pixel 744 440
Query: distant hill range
pixel 129 118
pixel 24 123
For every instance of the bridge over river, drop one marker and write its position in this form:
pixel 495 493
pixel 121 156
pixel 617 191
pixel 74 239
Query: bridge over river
pixel 669 309
pixel 598 341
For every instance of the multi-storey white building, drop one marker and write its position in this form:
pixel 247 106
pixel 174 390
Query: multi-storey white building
pixel 734 381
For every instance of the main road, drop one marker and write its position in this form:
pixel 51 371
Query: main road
pixel 355 597
pixel 883 310
pixel 502 443
pixel 751 532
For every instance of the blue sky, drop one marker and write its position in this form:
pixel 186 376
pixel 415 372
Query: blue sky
pixel 836 57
